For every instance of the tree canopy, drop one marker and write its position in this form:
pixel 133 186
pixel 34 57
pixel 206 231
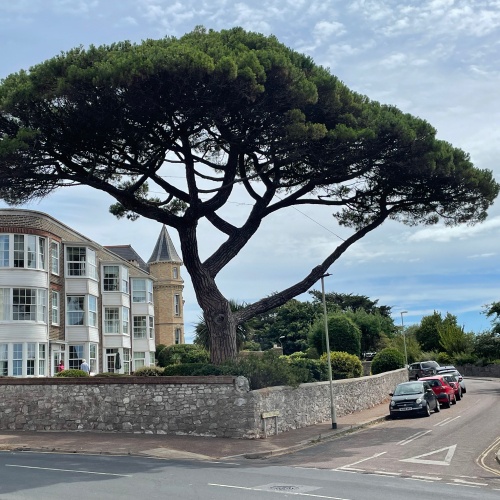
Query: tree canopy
pixel 230 112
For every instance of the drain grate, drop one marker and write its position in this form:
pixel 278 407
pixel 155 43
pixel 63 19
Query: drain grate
pixel 286 488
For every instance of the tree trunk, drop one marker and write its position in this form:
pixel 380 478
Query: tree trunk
pixel 221 328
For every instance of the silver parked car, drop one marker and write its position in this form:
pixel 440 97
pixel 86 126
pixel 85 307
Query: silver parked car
pixel 451 370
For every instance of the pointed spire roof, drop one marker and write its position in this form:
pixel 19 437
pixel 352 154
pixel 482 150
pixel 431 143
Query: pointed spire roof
pixel 164 249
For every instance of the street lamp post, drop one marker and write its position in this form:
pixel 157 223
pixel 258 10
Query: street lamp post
pixel 404 336
pixel 328 356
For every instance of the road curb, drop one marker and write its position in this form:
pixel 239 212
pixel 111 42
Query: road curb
pixel 322 438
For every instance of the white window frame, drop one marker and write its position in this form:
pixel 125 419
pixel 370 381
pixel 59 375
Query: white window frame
pixel 151 327
pixel 5 250
pixel 110 278
pixel 178 333
pixel 81 262
pixel 140 326
pixel 54 257
pixel 139 359
pixel 125 320
pixel 111 320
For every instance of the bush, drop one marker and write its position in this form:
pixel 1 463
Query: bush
pixel 464 359
pixel 158 349
pixel 314 369
pixel 267 370
pixel 182 353
pixel 72 373
pixel 194 370
pixel 344 365
pixel 444 359
pixel 344 335
pixel 111 374
pixel 149 371
pixel 386 360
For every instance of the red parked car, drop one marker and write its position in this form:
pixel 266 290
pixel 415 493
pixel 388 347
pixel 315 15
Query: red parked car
pixel 452 380
pixel 443 391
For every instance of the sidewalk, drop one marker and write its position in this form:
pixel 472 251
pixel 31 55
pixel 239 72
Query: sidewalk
pixel 187 447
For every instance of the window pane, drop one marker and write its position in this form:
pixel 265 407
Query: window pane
pixel 111 320
pixel 125 320
pixel 17 360
pixel 110 279
pixel 18 250
pixel 76 261
pixel 4 356
pixel 92 310
pixel 5 304
pixel 41 253
pixel 4 250
pixel 139 327
pixel 139 291
pixel 75 310
pixel 23 304
pixel 54 257
pixel 55 308
pixel 75 356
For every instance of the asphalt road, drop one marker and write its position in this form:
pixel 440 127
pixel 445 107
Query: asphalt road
pixel 445 456
pixel 80 477
pixel 455 446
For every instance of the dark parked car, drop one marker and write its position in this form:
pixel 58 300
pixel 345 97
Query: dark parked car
pixel 422 369
pixel 451 370
pixel 443 391
pixel 413 398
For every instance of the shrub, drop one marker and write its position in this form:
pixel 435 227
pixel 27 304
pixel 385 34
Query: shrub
pixel 267 370
pixel 111 374
pixel 72 373
pixel 314 369
pixel 158 349
pixel 149 371
pixel 344 335
pixel 194 370
pixel 386 360
pixel 344 365
pixel 444 358
pixel 464 359
pixel 182 353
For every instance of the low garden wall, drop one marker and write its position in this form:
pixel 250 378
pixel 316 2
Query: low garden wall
pixel 479 371
pixel 203 406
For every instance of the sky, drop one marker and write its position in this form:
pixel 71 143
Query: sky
pixel 437 60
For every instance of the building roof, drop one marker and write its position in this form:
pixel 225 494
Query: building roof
pixel 128 253
pixel 164 250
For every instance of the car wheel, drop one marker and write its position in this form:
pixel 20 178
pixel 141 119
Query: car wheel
pixel 427 411
pixel 459 396
pixel 438 408
pixel 447 404
pixel 454 400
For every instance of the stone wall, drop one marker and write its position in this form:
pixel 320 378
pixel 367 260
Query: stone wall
pixel 202 406
pixel 479 371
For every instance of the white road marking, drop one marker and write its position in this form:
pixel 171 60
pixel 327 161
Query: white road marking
pixel 447 421
pixel 462 481
pixel 69 470
pixel 413 437
pixel 349 466
pixel 430 478
pixel 287 493
pixel 447 460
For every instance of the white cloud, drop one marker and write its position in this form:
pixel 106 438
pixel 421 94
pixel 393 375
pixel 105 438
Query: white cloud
pixel 445 234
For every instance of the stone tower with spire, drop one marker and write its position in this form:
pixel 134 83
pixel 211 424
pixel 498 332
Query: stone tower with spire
pixel 165 265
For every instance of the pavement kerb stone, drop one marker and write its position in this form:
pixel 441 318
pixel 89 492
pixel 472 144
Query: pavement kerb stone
pixel 335 433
